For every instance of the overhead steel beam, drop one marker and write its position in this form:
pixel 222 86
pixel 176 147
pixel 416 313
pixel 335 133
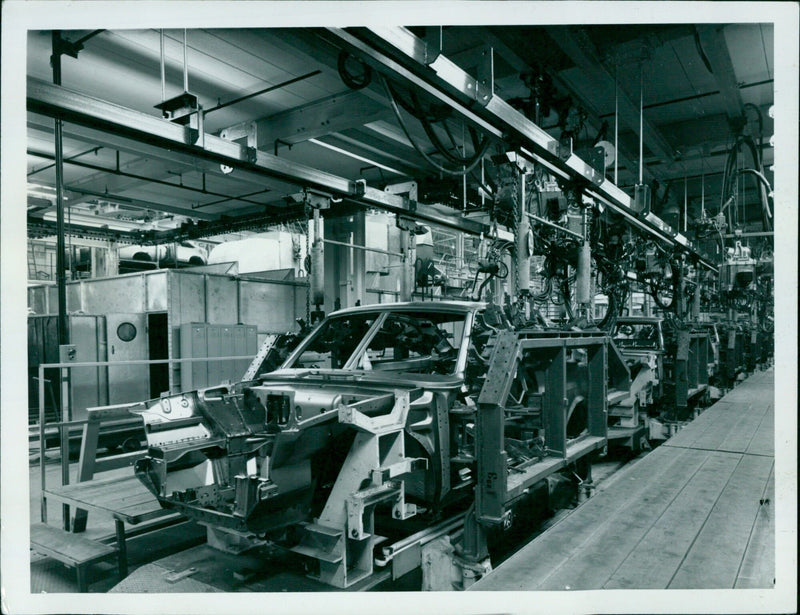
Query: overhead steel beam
pixel 576 45
pixel 141 180
pixel 440 78
pixel 140 204
pixel 331 114
pixel 715 47
pixel 38 228
pixel 171 158
pixel 79 108
pixel 518 64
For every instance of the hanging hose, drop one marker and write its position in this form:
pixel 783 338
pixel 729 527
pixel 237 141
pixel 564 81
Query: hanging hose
pixel 420 151
pixel 760 161
pixel 351 80
pixel 731 173
pixel 567 300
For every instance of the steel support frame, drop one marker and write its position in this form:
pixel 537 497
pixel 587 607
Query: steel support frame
pixel 494 489
pixel 94 113
pixel 451 85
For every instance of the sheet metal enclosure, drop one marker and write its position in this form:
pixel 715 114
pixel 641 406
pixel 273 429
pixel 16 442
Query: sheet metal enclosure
pixel 246 307
pixel 89 384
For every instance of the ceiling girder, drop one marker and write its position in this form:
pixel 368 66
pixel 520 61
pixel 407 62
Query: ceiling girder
pixel 184 143
pixel 335 113
pixel 576 45
pixel 142 180
pixel 448 83
pixel 509 55
pixel 715 47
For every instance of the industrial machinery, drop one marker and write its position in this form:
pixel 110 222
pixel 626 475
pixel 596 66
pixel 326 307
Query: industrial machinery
pixel 382 427
pixel 669 368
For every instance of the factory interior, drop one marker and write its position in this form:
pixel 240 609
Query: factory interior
pixel 403 308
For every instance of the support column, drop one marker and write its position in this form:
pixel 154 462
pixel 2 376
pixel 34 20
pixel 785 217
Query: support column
pixel 681 370
pixel 61 280
pixel 357 269
pixel 345 268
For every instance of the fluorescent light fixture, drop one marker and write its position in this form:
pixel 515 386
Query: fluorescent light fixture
pixel 46 192
pixel 44 195
pixel 97 222
pixel 339 150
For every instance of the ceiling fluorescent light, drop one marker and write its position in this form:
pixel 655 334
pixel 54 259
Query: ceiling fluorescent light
pixel 339 150
pixel 97 222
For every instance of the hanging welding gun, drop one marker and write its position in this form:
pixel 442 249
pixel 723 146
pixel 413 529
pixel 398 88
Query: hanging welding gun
pixel 492 266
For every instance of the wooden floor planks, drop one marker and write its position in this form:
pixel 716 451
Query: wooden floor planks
pixel 657 556
pixel 606 550
pixel 565 537
pixel 761 545
pixel 716 555
pixel 695 513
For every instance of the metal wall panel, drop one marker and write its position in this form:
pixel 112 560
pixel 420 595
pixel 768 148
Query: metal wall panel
pixel 187 294
pixel 217 336
pixel 37 299
pixel 74 303
pixel 52 300
pixel 269 306
pixel 89 385
pixel 194 345
pixel 245 342
pixel 221 299
pixel 156 287
pixel 114 295
pixel 199 340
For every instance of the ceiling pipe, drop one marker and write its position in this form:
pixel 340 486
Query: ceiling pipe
pixel 264 91
pixel 185 64
pixel 63 329
pixel 163 69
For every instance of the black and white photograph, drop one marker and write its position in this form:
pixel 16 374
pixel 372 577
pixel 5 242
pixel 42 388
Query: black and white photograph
pixel 356 307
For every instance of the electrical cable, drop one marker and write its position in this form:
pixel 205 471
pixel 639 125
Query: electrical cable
pixel 351 80
pixel 427 125
pixel 456 173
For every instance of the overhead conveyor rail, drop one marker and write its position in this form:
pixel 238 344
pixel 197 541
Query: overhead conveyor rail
pixel 402 55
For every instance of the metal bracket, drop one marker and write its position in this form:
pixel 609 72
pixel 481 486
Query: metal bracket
pixel 409 188
pixel 484 84
pixel 565 149
pixel 393 421
pixel 406 224
pixel 359 188
pixel 316 200
pixel 433 44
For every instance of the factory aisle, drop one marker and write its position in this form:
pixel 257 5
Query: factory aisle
pixel 695 513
